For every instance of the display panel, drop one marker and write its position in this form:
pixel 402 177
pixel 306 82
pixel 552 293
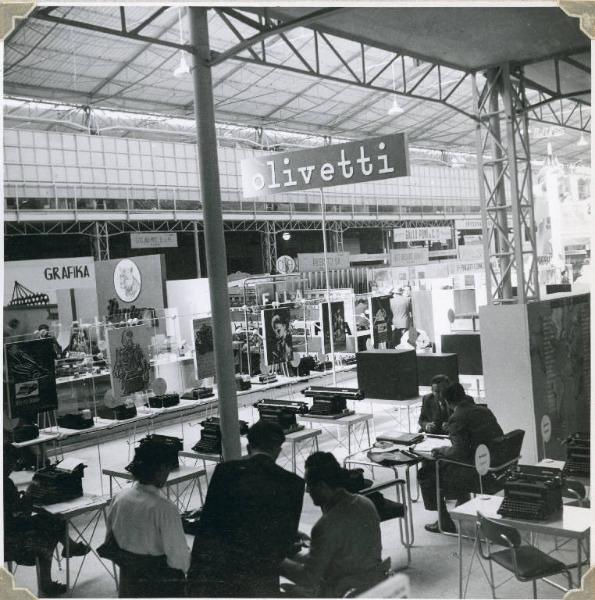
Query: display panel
pixel 338 327
pixel 382 320
pixel 278 344
pixel 30 377
pixel 204 352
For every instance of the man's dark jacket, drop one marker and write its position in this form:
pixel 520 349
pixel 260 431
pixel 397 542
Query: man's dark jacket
pixel 248 525
pixel 433 411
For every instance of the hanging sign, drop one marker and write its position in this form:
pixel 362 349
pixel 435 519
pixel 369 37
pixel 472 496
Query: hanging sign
pixel 420 234
pixel 409 256
pixel 153 240
pixel 315 261
pixel 468 223
pixel 355 162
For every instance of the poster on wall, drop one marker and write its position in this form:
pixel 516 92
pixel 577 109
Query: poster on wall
pixel 382 321
pixel 278 345
pixel 128 350
pixel 132 288
pixel 560 363
pixel 204 350
pixel 31 377
pixel 338 328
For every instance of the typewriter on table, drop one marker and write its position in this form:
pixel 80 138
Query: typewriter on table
pixel 164 401
pixel 169 445
pixel 331 402
pixel 24 433
pixel 532 493
pixel 77 421
pixel 210 436
pixel 120 412
pixel 198 393
pixel 282 412
pixel 56 483
pixel 243 382
pixel 578 449
pixel 268 378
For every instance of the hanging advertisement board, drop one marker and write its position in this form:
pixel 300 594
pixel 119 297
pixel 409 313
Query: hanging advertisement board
pixel 381 321
pixel 421 234
pixel 154 240
pixel 409 257
pixel 354 162
pixel 314 261
pixel 338 327
pixel 278 344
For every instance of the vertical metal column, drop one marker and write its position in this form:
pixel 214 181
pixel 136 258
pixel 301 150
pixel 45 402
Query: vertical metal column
pixel 504 171
pixel 213 231
pixel 269 247
pixel 101 241
pixel 197 251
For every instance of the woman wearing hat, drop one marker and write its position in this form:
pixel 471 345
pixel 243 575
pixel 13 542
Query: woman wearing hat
pixel 145 529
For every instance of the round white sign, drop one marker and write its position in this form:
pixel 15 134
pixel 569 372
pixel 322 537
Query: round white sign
pixel 285 264
pixel 546 428
pixel 127 280
pixel 159 386
pixel 482 459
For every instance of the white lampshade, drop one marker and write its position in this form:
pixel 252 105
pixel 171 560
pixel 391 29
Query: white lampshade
pixel 582 141
pixel 396 108
pixel 183 68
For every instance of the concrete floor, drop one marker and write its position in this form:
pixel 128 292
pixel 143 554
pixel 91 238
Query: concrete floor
pixel 433 572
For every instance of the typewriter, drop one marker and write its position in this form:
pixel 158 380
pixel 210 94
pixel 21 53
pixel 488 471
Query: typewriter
pixel 24 433
pixel 210 436
pixel 120 413
pixel 198 393
pixel 53 484
pixel 75 421
pixel 243 383
pixel 331 402
pixel 269 378
pixel 532 493
pixel 170 446
pixel 578 449
pixel 164 401
pixel 282 412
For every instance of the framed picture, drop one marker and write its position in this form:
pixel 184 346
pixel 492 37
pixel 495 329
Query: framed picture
pixel 338 327
pixel 128 349
pixel 278 344
pixel 382 321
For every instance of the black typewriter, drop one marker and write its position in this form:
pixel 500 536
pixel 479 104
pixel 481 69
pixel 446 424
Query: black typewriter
pixel 74 421
pixel 169 444
pixel 24 433
pixel 532 493
pixel 198 393
pixel 164 401
pixel 578 450
pixel 331 402
pixel 120 413
pixel 282 412
pixel 210 436
pixel 243 383
pixel 53 484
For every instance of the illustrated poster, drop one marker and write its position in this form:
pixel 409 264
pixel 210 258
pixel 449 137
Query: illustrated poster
pixel 30 377
pixel 382 320
pixel 204 352
pixel 128 350
pixel 278 345
pixel 338 319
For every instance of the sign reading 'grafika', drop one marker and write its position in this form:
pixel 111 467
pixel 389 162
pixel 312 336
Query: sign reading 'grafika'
pixel 367 160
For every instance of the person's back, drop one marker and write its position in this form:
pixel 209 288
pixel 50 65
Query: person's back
pixel 401 309
pixel 248 525
pixel 353 527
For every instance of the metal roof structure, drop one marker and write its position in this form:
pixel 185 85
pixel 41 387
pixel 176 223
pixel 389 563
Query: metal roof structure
pixel 314 71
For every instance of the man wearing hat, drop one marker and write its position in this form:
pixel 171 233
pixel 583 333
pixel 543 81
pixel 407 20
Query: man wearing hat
pixel 249 522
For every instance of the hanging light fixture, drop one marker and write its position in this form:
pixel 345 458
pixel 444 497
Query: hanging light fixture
pixel 286 236
pixel 183 68
pixel 582 141
pixel 551 159
pixel 396 108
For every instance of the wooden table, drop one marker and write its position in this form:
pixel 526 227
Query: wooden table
pixel 574 524
pixel 93 508
pixel 181 475
pixel 351 422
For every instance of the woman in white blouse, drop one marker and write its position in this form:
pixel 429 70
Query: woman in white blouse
pixel 147 528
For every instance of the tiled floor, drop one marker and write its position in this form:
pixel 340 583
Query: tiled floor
pixel 433 571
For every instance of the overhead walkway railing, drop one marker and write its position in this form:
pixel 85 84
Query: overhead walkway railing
pixel 122 202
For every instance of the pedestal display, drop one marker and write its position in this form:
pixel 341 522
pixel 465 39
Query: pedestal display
pixel 537 362
pixel 429 365
pixel 467 347
pixel 387 374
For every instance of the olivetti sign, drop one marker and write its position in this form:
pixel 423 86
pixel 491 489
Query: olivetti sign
pixel 367 160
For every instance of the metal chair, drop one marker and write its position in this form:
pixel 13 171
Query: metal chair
pixel 576 491
pixel 390 509
pixel 526 562
pixel 505 451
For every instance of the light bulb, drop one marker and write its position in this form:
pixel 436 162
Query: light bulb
pixel 286 236
pixel 183 68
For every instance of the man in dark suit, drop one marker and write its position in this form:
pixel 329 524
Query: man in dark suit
pixel 249 522
pixel 469 426
pixel 434 411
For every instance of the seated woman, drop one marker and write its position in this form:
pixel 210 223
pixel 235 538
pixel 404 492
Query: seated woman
pixel 31 535
pixel 145 529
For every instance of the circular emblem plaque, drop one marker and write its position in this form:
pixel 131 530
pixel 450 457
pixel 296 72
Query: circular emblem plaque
pixel 127 280
pixel 285 264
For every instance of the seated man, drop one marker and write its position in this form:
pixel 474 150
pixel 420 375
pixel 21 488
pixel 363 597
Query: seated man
pixel 248 523
pixel 30 534
pixel 345 549
pixel 469 426
pixel 435 413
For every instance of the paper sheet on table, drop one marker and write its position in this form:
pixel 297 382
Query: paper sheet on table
pixel 430 443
